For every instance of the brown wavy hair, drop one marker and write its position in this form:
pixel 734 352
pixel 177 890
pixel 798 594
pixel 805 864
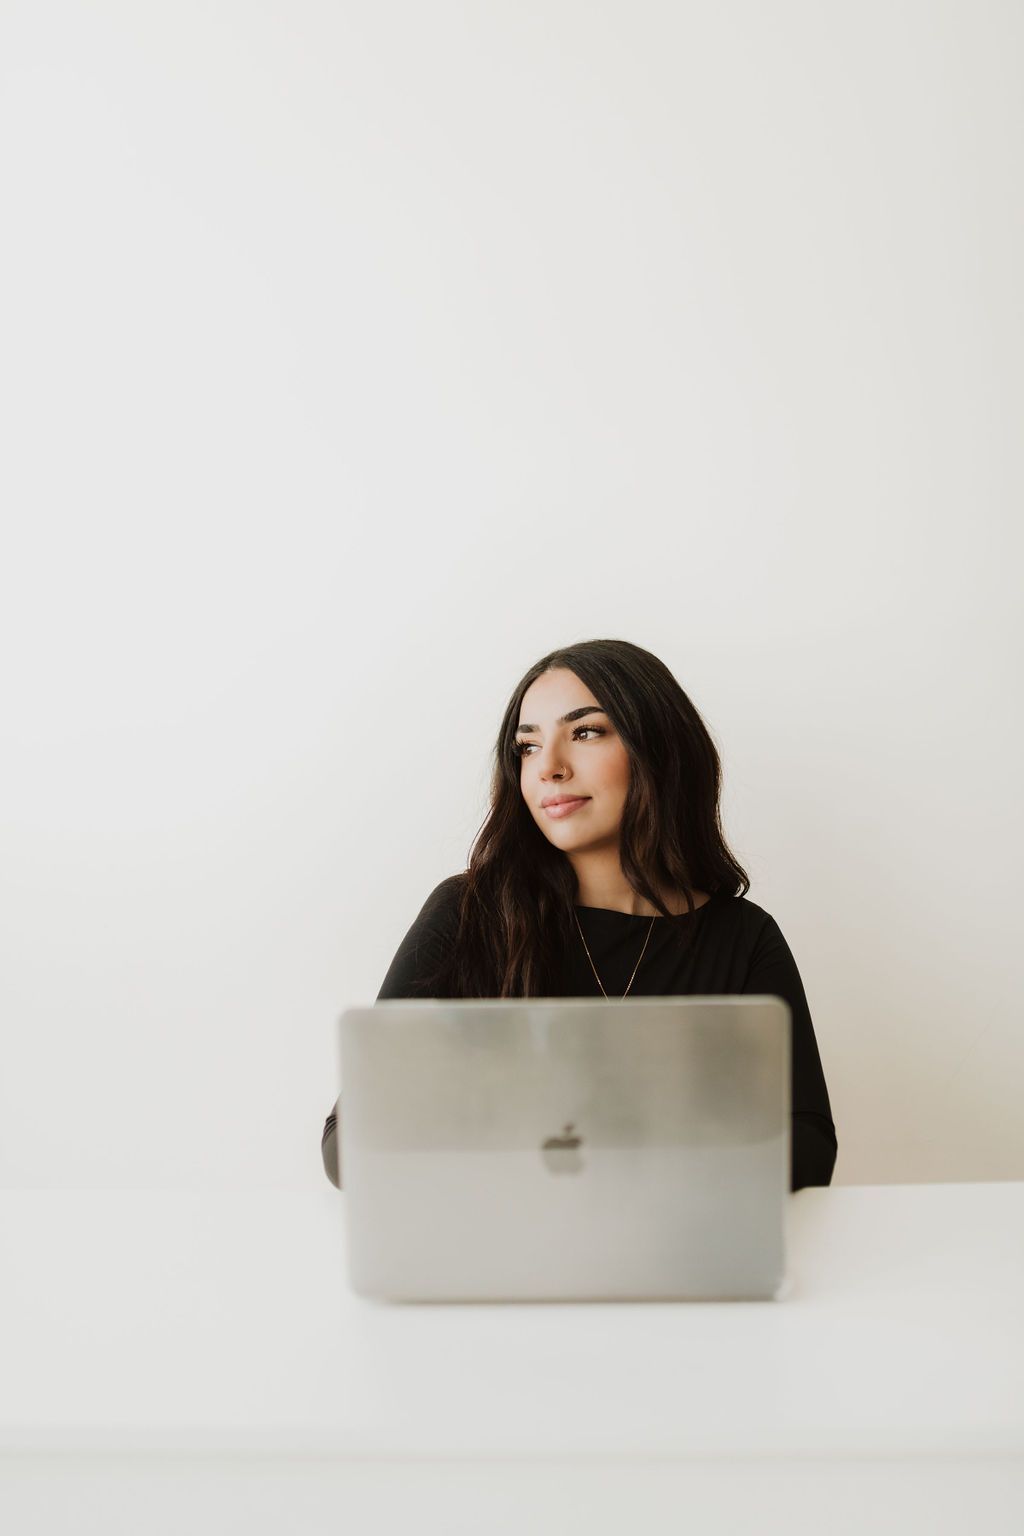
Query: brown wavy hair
pixel 515 912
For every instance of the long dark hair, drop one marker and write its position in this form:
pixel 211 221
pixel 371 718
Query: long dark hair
pixel 515 914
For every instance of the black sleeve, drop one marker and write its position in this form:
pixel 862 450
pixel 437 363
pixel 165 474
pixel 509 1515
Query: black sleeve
pixel 416 958
pixel 773 970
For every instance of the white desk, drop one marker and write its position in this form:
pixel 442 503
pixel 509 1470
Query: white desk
pixel 173 1360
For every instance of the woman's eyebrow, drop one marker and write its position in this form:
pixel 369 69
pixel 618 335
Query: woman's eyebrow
pixel 574 714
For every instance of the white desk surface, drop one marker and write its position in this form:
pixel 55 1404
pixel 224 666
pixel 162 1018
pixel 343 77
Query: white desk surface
pixel 165 1321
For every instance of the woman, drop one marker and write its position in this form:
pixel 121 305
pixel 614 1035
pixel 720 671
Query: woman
pixel 601 870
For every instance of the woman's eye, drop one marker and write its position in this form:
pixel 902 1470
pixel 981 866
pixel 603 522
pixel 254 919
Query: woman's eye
pixel 520 747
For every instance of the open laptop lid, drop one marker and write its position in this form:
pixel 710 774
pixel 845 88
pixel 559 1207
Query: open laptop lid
pixel 566 1147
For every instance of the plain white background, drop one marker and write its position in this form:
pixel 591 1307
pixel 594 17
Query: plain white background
pixel 355 355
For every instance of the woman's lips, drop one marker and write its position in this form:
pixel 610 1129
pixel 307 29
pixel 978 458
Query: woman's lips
pixel 566 807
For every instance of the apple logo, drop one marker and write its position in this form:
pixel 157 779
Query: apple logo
pixel 561 1153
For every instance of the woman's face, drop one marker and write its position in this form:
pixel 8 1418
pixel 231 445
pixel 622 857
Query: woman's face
pixel 579 757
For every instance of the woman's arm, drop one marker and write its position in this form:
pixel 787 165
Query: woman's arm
pixel 814 1145
pixel 416 958
pixel 330 1146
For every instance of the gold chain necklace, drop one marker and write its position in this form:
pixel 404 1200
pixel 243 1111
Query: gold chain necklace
pixel 593 967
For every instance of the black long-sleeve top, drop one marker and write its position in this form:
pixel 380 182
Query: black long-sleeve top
pixel 738 947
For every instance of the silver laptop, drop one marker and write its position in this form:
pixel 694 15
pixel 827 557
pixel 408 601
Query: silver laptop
pixel 573 1149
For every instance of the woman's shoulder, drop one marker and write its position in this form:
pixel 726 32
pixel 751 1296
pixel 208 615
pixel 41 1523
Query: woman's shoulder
pixel 429 938
pixel 441 907
pixel 746 916
pixel 748 910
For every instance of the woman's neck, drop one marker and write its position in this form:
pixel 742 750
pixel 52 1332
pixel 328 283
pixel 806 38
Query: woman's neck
pixel 604 885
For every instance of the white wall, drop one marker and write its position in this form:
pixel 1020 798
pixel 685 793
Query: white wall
pixel 354 356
